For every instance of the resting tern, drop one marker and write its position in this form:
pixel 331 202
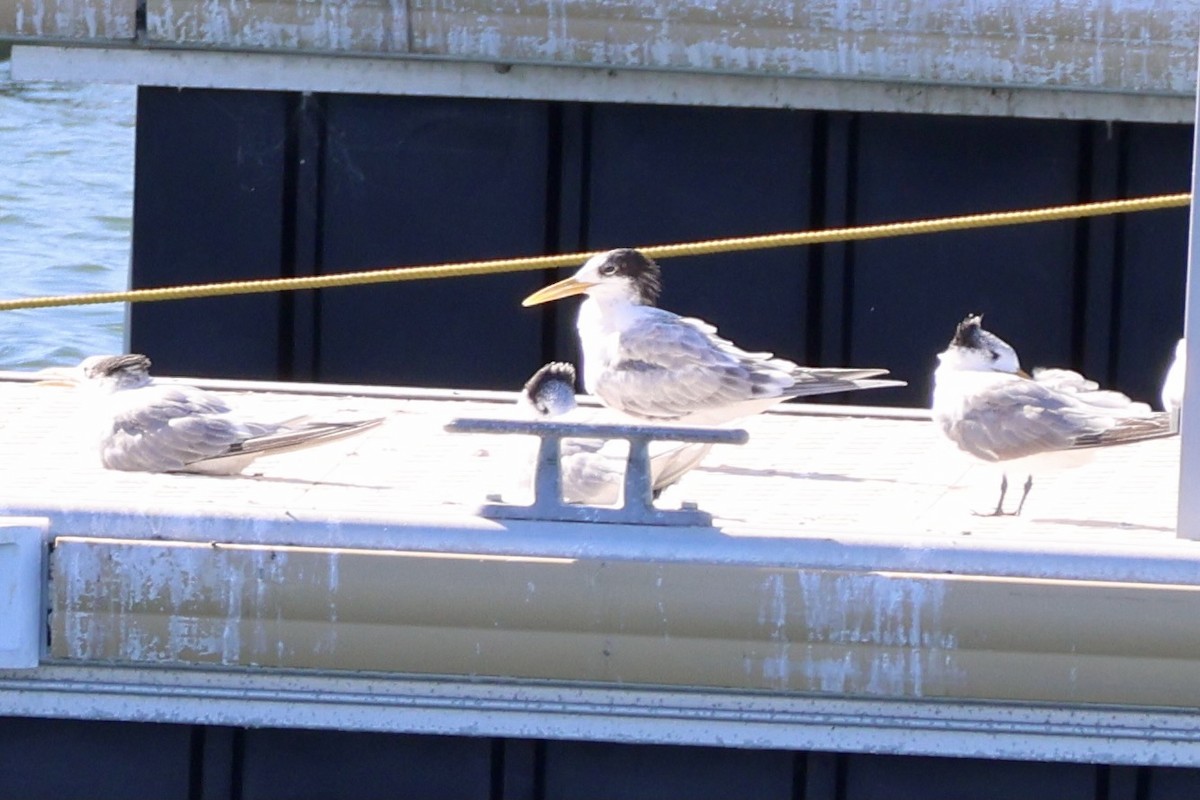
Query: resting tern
pixel 991 409
pixel 146 426
pixel 649 363
pixel 593 471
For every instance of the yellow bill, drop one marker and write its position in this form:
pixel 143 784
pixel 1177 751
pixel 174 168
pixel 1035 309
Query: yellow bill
pixel 557 291
pixel 59 376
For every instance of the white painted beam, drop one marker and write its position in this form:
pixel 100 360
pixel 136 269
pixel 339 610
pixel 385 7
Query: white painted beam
pixel 206 69
pixel 1113 45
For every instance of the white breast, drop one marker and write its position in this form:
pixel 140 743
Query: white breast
pixel 600 327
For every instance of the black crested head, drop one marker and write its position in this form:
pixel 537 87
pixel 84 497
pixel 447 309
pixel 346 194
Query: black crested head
pixel 551 390
pixel 109 366
pixel 642 272
pixel 969 333
pixel 555 371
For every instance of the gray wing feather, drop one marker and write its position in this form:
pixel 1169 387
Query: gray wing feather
pixel 284 440
pixel 592 478
pixel 667 467
pixel 1088 391
pixel 161 429
pixel 169 429
pixel 670 367
pixel 596 475
pixel 1023 418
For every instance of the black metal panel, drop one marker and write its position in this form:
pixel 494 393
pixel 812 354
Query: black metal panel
pixel 253 184
pixel 829 277
pixel 671 174
pixel 57 759
pixel 53 758
pixel 915 778
pixel 516 771
pixel 428 180
pixel 571 135
pixel 299 764
pixel 301 255
pixel 1153 252
pixel 1170 784
pixel 909 293
pixel 208 206
pixel 1102 171
pixel 216 757
pixel 588 770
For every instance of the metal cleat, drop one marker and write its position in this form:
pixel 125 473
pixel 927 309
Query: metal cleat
pixel 638 505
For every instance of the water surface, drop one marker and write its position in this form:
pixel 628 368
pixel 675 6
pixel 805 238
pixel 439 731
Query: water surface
pixel 66 200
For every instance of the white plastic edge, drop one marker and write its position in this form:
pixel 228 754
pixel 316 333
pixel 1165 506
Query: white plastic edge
pixel 22 567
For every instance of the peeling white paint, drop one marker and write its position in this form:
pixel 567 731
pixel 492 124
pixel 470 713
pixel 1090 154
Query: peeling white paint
pixel 353 25
pixel 111 20
pixel 231 640
pixel 772 615
pixel 140 583
pixel 333 582
pixel 857 633
pixel 1028 44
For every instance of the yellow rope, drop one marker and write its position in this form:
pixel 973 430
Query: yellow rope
pixel 859 233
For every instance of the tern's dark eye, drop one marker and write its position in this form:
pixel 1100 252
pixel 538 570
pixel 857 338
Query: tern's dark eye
pixel 608 269
pixel 995 356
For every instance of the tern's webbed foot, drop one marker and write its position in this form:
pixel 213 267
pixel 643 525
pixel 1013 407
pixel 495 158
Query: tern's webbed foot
pixel 999 511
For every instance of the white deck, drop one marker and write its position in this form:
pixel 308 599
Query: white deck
pixel 885 486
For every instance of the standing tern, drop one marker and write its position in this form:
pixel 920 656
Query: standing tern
pixel 652 364
pixel 593 471
pixel 146 426
pixel 991 409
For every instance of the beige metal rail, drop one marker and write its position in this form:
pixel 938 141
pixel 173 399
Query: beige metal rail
pixel 877 634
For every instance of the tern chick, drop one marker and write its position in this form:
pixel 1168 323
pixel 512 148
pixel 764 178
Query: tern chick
pixel 146 426
pixel 593 471
pixel 649 363
pixel 991 409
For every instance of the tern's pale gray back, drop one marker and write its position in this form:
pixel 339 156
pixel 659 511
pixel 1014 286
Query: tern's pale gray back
pixel 146 426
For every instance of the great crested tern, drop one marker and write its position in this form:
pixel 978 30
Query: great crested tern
pixel 593 471
pixel 650 363
pixel 147 426
pixel 984 403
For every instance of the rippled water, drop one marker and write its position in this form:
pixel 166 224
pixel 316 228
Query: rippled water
pixel 66 200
